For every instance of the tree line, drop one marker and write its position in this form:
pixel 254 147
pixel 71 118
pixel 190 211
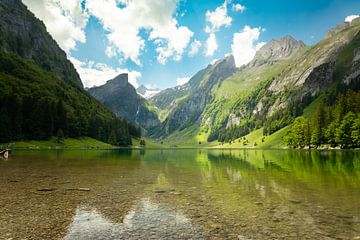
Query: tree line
pixel 336 124
pixel 36 105
pixel 32 119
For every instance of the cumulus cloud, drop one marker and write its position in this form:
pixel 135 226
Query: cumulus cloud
pixel 194 48
pixel 65 20
pixel 96 74
pixel 125 23
pixel 245 44
pixel 351 18
pixel 182 81
pixel 238 7
pixel 211 45
pixel 217 18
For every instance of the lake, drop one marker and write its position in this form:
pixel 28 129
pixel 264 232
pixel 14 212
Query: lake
pixel 180 194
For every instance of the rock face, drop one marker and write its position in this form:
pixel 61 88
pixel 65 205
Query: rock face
pixel 121 97
pixel 22 33
pixel 189 110
pixel 354 76
pixel 337 29
pixel 275 50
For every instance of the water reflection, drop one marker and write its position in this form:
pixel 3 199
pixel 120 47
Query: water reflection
pixel 146 220
pixel 255 194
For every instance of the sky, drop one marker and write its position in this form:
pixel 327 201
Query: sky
pixel 162 43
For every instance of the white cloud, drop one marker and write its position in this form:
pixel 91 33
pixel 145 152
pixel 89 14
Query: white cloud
pixel 124 25
pixel 218 18
pixel 351 18
pixel 96 74
pixel 245 44
pixel 211 45
pixel 238 7
pixel 182 81
pixel 65 20
pixel 194 48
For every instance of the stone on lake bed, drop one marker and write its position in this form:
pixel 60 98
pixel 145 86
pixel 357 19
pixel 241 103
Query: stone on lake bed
pixel 161 190
pixel 47 189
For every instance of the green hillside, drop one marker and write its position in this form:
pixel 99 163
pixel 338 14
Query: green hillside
pixel 41 94
pixel 267 95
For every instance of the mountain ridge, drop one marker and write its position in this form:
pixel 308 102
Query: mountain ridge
pixel 284 77
pixel 122 98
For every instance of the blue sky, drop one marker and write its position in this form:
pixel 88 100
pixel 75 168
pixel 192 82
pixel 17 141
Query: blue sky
pixel 152 40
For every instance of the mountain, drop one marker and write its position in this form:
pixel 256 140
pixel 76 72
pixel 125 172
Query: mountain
pixel 284 79
pixel 121 97
pixel 167 99
pixel 22 33
pixel 41 94
pixel 275 50
pixel 190 108
pixel 147 92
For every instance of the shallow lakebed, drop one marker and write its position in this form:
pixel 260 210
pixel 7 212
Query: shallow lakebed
pixel 180 194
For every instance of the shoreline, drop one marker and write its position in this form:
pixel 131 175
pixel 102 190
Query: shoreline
pixel 178 148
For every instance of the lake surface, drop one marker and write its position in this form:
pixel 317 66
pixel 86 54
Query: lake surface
pixel 180 194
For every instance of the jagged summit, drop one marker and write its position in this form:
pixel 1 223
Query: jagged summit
pixel 121 97
pixel 277 49
pixel 121 80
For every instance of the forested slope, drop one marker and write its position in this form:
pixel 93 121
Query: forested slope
pixel 41 94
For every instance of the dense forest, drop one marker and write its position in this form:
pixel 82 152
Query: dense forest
pixel 336 124
pixel 41 94
pixel 35 104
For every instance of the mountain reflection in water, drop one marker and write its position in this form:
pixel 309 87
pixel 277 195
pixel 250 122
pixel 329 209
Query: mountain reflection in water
pixel 146 220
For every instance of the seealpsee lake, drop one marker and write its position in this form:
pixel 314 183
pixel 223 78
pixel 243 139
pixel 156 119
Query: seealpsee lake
pixel 180 194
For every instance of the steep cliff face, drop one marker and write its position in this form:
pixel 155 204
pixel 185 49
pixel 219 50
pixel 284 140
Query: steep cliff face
pixel 121 97
pixel 190 109
pixel 22 33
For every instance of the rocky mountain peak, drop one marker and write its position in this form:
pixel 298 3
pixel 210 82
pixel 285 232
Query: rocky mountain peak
pixel 224 66
pixel 277 49
pixel 121 97
pixel 121 80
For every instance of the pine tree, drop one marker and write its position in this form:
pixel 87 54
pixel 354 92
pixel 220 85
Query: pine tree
pixel 112 138
pixel 343 134
pixel 355 132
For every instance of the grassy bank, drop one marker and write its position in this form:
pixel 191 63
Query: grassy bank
pixel 67 143
pixel 252 140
